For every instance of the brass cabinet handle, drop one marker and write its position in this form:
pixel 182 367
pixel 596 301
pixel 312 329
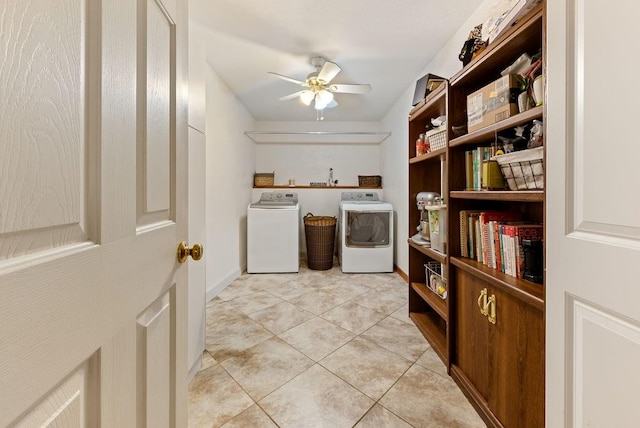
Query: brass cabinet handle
pixel 482 302
pixel 184 252
pixel 492 309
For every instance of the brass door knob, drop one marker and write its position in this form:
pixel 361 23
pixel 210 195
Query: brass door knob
pixel 184 252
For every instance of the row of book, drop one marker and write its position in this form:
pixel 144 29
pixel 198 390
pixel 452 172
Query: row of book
pixel 475 175
pixel 494 238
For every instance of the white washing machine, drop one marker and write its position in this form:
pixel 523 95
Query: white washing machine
pixel 365 233
pixel 273 233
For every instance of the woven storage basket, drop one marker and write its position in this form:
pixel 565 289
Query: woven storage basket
pixel 320 233
pixel 369 181
pixel 261 179
pixel 523 170
pixel 437 138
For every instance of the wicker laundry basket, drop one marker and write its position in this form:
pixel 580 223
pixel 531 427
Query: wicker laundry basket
pixel 263 179
pixel 320 233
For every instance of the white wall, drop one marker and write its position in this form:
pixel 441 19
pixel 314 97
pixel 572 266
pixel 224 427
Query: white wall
pixel 394 152
pixel 307 158
pixel 394 158
pixel 197 199
pixel 311 162
pixel 231 158
pixel 197 78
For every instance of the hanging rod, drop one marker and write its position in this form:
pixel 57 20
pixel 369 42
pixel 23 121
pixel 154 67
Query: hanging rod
pixel 289 136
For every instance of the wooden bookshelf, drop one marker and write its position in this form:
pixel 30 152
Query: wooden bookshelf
pixel 496 356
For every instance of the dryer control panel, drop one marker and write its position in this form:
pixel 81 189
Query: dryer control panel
pixel 360 196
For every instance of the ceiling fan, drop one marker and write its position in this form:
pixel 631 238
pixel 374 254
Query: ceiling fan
pixel 319 88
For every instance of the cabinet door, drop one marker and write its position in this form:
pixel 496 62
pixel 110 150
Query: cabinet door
pixel 516 362
pixel 472 331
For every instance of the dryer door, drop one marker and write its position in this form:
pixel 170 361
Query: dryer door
pixel 368 228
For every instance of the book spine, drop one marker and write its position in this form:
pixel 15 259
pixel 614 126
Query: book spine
pixel 502 247
pixel 478 171
pixel 478 240
pixel 512 252
pixel 472 234
pixel 486 154
pixel 464 249
pixel 483 239
pixel 491 252
pixel 507 254
pixel 496 245
pixel 475 169
pixel 468 163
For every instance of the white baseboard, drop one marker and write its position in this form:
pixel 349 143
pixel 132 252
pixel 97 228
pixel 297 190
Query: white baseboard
pixel 193 371
pixel 214 289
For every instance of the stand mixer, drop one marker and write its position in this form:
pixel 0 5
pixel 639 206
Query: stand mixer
pixel 422 200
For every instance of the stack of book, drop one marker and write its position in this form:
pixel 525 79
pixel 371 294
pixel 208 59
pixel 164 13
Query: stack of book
pixel 494 238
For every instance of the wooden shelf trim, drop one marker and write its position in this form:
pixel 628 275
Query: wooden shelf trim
pixel 313 187
pixel 426 323
pixel 435 255
pixel 429 156
pixel 439 305
pixel 481 135
pixel 499 195
pixel 525 291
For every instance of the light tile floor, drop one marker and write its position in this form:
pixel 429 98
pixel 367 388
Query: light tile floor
pixel 320 349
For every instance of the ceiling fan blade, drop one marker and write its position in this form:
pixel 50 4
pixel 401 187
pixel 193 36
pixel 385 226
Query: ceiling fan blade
pixel 291 96
pixel 288 79
pixel 332 104
pixel 328 72
pixel 349 88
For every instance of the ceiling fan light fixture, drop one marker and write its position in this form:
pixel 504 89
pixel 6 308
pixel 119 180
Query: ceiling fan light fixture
pixel 307 97
pixel 323 98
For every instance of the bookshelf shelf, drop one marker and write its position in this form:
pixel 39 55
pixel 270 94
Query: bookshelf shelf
pixel 439 305
pixel 499 195
pixel 429 324
pixel 435 255
pixel 489 132
pixel 435 155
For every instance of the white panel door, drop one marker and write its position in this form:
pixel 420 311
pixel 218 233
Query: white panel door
pixel 93 204
pixel 593 226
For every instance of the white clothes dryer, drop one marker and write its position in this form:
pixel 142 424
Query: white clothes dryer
pixel 273 233
pixel 365 233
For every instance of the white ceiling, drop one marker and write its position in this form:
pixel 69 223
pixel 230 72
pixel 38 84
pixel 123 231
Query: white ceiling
pixel 386 43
